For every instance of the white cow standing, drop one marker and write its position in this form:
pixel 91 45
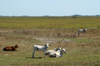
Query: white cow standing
pixel 40 48
pixel 82 31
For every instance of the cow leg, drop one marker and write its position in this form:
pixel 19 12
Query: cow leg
pixel 83 33
pixel 44 53
pixel 78 34
pixel 33 53
pixel 37 48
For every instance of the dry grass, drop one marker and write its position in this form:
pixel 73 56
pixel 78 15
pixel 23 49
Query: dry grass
pixel 81 50
pixel 78 48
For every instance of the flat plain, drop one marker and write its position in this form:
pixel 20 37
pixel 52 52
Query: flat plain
pixel 57 31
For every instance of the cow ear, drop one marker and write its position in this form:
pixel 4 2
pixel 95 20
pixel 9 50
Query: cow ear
pixel 45 44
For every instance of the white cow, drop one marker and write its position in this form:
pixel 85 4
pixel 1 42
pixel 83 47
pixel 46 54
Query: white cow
pixel 82 31
pixel 40 48
pixel 58 53
pixel 52 50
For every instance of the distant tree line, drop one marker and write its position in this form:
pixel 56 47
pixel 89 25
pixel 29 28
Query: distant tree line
pixel 73 16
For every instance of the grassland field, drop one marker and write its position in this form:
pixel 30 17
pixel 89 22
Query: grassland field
pixel 57 31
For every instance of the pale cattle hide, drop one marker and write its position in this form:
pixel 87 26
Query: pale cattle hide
pixel 58 53
pixel 40 48
pixel 82 31
pixel 52 50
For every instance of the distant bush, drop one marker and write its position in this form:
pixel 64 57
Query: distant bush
pixel 74 16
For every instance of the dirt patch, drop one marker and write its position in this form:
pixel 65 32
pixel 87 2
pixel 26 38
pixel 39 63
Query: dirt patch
pixel 50 40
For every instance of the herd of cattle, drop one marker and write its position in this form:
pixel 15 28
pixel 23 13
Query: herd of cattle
pixel 57 52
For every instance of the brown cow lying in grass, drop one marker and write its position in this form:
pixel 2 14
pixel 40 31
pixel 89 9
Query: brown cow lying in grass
pixel 10 48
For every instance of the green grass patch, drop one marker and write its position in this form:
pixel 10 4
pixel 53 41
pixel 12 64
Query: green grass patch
pixel 50 22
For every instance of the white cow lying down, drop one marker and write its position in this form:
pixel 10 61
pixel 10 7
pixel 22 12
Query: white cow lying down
pixel 52 50
pixel 55 52
pixel 40 48
pixel 58 53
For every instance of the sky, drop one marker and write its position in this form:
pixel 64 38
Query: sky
pixel 49 7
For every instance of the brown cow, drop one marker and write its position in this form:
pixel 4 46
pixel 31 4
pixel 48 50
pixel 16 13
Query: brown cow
pixel 10 48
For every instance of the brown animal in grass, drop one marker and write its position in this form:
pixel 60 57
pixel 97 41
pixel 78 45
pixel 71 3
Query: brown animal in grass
pixel 10 48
